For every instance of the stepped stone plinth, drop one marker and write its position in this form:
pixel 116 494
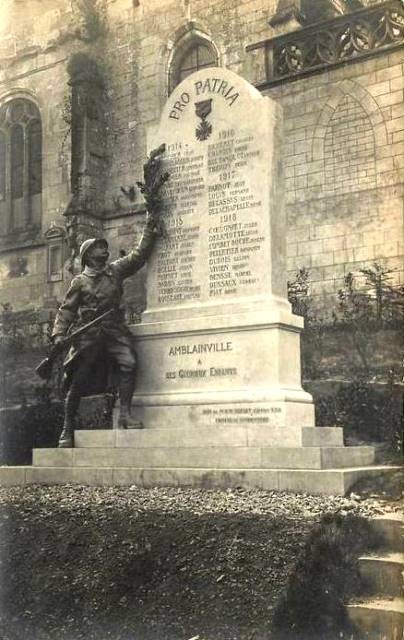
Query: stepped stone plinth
pixel 313 460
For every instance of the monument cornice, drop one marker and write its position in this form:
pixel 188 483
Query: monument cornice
pixel 240 395
pixel 253 320
pixel 149 331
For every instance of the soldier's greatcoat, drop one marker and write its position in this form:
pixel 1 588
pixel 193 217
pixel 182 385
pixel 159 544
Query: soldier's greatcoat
pixel 90 294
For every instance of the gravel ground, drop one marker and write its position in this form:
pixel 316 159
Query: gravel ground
pixel 203 501
pixel 157 564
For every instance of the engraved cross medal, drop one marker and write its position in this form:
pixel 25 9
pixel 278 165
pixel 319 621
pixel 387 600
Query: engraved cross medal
pixel 202 110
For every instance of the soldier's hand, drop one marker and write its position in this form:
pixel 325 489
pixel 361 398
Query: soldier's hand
pixel 58 339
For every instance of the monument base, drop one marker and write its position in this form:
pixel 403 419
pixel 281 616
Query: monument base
pixel 217 370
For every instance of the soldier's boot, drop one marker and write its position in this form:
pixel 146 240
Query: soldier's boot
pixel 66 439
pixel 126 389
pixel 72 402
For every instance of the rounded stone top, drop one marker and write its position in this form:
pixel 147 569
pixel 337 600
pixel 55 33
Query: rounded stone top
pixel 212 99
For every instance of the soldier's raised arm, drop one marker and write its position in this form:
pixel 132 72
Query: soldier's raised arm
pixel 131 263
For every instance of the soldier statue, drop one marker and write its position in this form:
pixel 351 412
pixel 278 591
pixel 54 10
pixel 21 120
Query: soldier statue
pixel 92 293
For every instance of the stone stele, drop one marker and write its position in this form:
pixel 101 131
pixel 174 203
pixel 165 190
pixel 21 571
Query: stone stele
pixel 218 343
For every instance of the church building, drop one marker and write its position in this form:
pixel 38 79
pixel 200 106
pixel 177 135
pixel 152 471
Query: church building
pixel 82 82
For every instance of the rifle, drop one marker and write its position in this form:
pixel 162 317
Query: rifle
pixel 44 369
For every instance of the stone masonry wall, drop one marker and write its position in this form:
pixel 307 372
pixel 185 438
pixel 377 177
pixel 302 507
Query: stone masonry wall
pixel 344 170
pixel 33 65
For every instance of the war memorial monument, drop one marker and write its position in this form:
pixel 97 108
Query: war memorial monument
pixel 218 384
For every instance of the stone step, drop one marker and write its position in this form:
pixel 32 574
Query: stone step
pixel 378 619
pixel 13 476
pixel 383 574
pixel 212 436
pixel 207 457
pixel 327 482
pixel 316 457
pixel 391 529
pixel 322 437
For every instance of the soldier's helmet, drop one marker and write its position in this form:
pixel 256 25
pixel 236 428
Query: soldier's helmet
pixel 87 244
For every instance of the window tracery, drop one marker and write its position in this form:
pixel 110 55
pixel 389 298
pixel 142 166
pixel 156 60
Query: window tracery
pixel 20 165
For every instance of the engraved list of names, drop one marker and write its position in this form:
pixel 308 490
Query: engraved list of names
pixel 215 202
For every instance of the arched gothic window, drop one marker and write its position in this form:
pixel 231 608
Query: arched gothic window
pixel 199 54
pixel 20 166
